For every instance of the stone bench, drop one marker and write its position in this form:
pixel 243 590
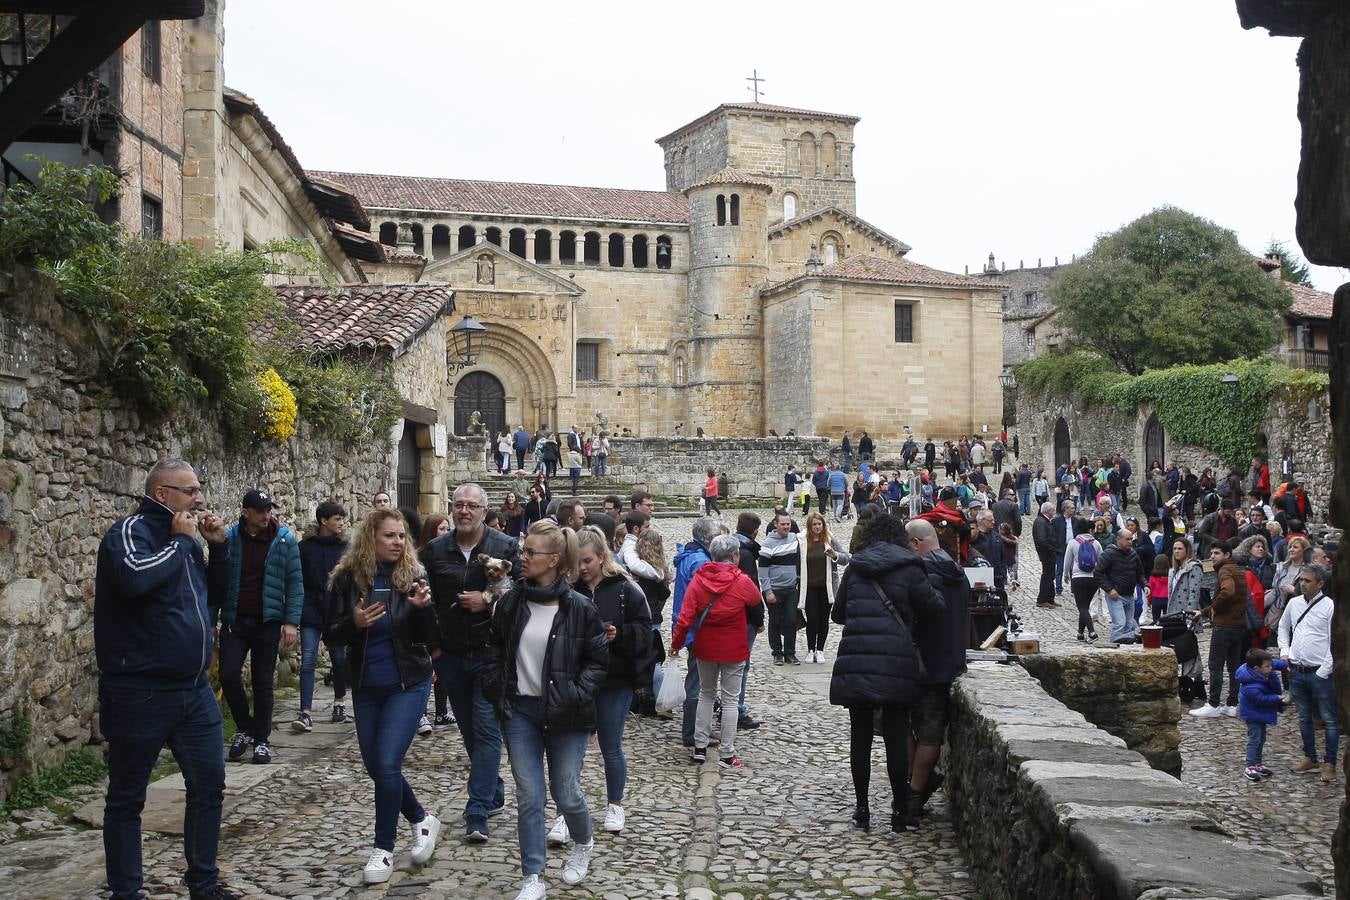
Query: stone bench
pixel 1048 805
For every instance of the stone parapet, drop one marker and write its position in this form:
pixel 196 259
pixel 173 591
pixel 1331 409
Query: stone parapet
pixel 1130 693
pixel 1048 805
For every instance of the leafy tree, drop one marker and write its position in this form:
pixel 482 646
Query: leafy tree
pixel 1170 288
pixel 1292 268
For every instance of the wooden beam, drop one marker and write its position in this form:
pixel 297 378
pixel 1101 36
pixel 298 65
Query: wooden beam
pixel 81 47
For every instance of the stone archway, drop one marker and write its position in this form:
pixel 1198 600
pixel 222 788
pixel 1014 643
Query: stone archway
pixel 525 372
pixel 1063 448
pixel 483 393
pixel 1155 442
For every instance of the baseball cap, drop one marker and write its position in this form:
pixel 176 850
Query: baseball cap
pixel 258 499
pixel 947 493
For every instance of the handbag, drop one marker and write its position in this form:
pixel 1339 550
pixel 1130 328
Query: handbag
pixel 698 621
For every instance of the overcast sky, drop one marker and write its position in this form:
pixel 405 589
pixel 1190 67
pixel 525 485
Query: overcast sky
pixel 1022 128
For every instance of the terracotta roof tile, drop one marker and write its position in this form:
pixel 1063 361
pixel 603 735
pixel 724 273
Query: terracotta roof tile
pixel 729 175
pixel 513 198
pixel 373 318
pixel 897 271
pixel 1308 302
pixel 862 225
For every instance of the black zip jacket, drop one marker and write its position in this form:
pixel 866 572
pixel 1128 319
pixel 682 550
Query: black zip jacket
pixel 621 603
pixel 155 597
pixel 464 633
pixel 1119 569
pixel 414 632
pixel 942 638
pixel 319 555
pixel 575 662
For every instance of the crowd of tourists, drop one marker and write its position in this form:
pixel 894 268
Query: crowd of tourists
pixel 541 626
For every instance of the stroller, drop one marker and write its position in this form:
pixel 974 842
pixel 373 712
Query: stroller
pixel 1179 633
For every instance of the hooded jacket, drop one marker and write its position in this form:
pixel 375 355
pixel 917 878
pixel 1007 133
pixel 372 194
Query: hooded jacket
pixel 319 555
pixel 155 598
pixel 575 663
pixel 1259 695
pixel 942 638
pixel 1183 587
pixel 878 663
pixel 687 561
pixel 283 590
pixel 622 604
pixel 722 638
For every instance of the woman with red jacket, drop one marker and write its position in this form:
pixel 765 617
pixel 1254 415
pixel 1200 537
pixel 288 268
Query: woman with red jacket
pixel 713 615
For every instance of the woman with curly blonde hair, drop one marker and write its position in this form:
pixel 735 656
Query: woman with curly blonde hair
pixel 380 610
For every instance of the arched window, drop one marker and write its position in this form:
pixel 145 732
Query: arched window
pixel 640 260
pixel 1155 441
pixel 1062 448
pixel 616 250
pixel 389 234
pixel 468 236
pixel 493 235
pixel 567 247
pixel 829 249
pixel 789 206
pixel 516 242
pixel 420 241
pixel 543 246
pixel 681 373
pixel 440 241
pixel 665 252
pixel 721 209
pixel 808 154
pixel 591 249
pixel 829 162
pixel 735 209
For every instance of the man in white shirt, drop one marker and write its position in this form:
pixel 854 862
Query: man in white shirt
pixel 1305 641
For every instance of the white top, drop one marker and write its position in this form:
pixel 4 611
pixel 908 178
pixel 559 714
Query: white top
pixel 1071 558
pixel 533 645
pixel 1310 643
pixel 629 559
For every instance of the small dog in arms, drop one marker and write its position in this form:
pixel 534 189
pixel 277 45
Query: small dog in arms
pixel 498 575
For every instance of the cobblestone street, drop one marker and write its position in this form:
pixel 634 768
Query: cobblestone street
pixel 776 829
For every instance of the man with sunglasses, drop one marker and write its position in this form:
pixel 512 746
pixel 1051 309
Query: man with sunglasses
pixel 154 594
pixel 458 582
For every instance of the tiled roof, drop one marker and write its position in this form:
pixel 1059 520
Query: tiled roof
pixel 371 318
pixel 513 198
pixel 897 271
pixel 762 109
pixel 731 176
pixel 861 224
pixel 1308 302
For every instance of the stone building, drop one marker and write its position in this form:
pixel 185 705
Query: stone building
pixel 747 296
pixel 1027 305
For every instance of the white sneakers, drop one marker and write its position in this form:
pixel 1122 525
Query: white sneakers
pixel 532 889
pixel 424 834
pixel 558 834
pixel 424 726
pixel 578 863
pixel 380 866
pixel 614 818
pixel 1208 712
pixel 1230 711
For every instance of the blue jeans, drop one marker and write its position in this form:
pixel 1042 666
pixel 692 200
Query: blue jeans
pixel 386 720
pixel 601 469
pixel 745 673
pixel 837 504
pixel 1121 609
pixel 528 745
pixel 137 724
pixel 309 656
pixel 1256 742
pixel 690 712
pixel 1138 604
pixel 611 711
pixel 1059 572
pixel 1024 500
pixel 477 721
pixel 1311 692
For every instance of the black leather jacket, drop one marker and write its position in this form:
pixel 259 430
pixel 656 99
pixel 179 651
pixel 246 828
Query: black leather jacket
pixel 414 632
pixel 464 633
pixel 575 663
pixel 621 603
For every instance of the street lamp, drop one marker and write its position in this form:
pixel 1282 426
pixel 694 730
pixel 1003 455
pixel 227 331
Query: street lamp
pixel 1232 386
pixel 1006 377
pixel 1009 382
pixel 463 354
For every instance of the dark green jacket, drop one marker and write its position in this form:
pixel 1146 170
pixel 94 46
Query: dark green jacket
pixel 283 582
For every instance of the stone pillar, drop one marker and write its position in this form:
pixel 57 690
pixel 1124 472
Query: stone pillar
pixel 817 171
pixel 555 238
pixel 627 251
pixel 480 236
pixel 529 245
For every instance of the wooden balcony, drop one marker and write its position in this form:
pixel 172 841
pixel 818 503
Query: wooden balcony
pixel 1317 360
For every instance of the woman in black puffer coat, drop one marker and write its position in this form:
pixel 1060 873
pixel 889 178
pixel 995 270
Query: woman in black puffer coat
pixel 878 667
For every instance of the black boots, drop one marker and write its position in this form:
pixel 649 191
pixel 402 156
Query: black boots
pixel 862 817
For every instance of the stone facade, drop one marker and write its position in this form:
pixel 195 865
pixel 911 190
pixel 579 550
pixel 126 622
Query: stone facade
pixel 1026 300
pixel 73 459
pixel 1103 431
pixel 1047 805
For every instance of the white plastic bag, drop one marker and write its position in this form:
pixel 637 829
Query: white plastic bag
pixel 672 686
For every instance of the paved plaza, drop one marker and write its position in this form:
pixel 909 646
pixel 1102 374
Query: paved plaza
pixel 778 828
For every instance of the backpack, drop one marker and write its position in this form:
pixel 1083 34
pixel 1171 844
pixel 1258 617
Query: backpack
pixel 1087 553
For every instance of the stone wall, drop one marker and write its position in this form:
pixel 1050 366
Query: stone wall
pixel 1102 431
pixel 1130 693
pixel 1047 805
pixel 73 459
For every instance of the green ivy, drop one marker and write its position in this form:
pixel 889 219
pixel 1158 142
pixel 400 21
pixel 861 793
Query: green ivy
pixel 1191 402
pixel 14 738
pixel 83 765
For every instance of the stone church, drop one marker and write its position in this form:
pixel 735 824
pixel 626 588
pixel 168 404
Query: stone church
pixel 747 296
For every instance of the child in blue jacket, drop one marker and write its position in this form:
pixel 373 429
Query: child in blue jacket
pixel 1259 705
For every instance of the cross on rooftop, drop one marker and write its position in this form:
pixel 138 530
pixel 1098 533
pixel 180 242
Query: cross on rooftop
pixel 755 80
